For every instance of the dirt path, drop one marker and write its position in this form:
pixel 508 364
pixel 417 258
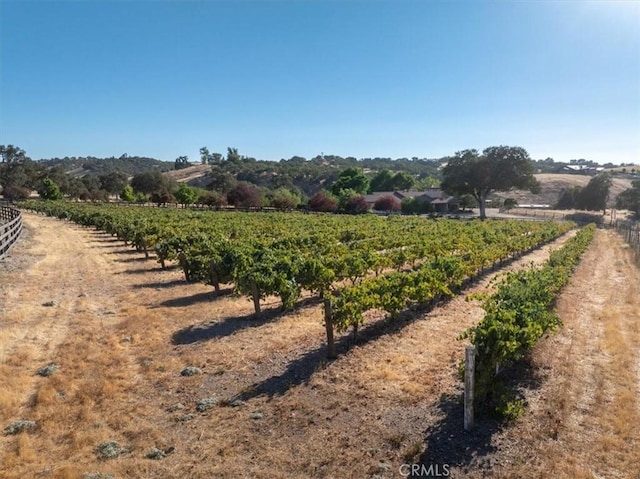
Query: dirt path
pixel 55 278
pixel 122 330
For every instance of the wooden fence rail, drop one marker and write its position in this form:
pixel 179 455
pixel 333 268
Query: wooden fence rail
pixel 10 228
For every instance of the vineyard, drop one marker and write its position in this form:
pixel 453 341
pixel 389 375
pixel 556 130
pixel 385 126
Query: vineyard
pixel 357 264
pixel 115 365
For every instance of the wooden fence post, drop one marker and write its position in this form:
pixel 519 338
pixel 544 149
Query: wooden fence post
pixel 469 373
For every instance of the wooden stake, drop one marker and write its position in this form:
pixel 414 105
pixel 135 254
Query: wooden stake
pixel 469 372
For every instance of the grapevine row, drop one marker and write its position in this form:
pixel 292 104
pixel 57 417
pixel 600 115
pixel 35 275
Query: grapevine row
pixel 520 313
pixel 360 264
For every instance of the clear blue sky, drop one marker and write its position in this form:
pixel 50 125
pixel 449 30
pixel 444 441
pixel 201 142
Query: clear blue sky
pixel 352 78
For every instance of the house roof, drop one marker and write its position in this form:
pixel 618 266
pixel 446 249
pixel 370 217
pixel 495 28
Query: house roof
pixel 373 197
pixel 433 195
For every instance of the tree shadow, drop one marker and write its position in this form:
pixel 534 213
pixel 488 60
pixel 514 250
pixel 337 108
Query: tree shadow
pixel 137 259
pixel 226 327
pixel 161 284
pixel 205 297
pixel 230 325
pixel 301 370
pixel 144 270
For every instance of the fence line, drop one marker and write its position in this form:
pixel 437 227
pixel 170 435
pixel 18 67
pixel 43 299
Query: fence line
pixel 10 228
pixel 631 233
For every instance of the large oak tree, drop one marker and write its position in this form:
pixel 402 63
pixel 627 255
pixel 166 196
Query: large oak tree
pixel 498 168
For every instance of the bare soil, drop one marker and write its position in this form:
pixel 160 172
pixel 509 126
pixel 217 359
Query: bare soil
pixel 122 330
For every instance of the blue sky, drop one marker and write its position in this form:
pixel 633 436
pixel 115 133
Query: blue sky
pixel 277 78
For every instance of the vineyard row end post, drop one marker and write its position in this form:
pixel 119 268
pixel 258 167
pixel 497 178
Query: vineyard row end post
pixel 469 373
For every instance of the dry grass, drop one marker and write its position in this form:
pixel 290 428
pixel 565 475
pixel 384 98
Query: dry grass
pixel 124 332
pixel 552 185
pixel 582 420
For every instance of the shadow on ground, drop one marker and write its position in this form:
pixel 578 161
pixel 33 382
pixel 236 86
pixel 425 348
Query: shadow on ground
pixel 229 325
pixel 161 284
pixel 144 270
pixel 206 297
pixel 302 369
pixel 136 259
pixel 447 443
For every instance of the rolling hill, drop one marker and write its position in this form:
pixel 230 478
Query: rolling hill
pixel 552 185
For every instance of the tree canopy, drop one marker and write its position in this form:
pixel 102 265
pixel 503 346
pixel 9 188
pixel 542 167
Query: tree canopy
pixel 592 197
pixel 385 180
pixel 181 162
pixel 630 198
pixel 49 190
pixel 150 182
pixel 498 168
pixel 351 179
pixel 12 154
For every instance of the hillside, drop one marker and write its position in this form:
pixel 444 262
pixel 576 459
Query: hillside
pixel 192 174
pixel 552 184
pixel 307 176
pixel 130 165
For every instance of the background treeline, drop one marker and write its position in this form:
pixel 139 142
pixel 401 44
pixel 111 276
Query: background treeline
pixel 322 183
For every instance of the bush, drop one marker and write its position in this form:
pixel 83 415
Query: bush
pixel 323 202
pixel 191 371
pixel 109 450
pixel 356 205
pixel 155 454
pixel 19 426
pixel 509 203
pixel 14 193
pixel 413 206
pixel 49 190
pixel 387 203
pixel 206 403
pixel 48 370
pixel 212 199
pixel 245 195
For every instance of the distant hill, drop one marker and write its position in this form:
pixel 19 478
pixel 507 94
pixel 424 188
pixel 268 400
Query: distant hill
pixel 297 173
pixel 130 165
pixel 193 175
pixel 554 183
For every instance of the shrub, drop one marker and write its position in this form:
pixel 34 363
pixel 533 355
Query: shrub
pixel 356 205
pixel 387 203
pixel 48 370
pixel 206 403
pixel 109 450
pixel 190 371
pixel 323 202
pixel 13 193
pixel 19 426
